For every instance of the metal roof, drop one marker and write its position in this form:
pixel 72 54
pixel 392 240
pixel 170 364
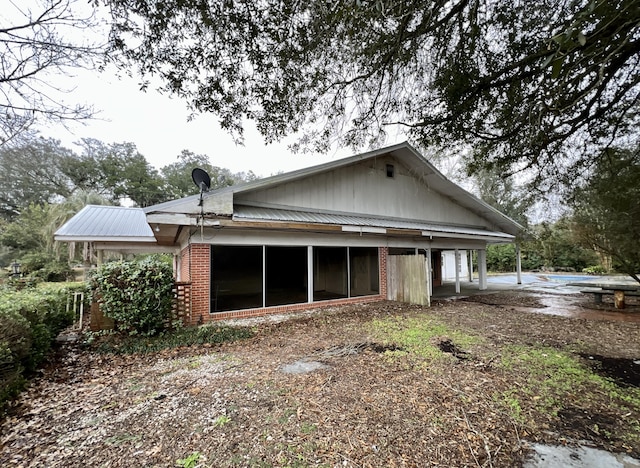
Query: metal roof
pixel 251 213
pixel 106 223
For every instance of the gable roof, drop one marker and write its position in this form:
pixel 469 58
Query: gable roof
pixel 106 223
pixel 221 201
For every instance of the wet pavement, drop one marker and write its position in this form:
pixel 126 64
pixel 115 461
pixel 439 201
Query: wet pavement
pixel 557 297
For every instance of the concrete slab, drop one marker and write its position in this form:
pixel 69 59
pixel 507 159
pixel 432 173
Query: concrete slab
pixel 554 456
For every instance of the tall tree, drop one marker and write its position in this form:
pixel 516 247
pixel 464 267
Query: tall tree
pixel 504 195
pixel 40 43
pixel 607 209
pixel 177 175
pixel 30 173
pixel 115 171
pixel 525 84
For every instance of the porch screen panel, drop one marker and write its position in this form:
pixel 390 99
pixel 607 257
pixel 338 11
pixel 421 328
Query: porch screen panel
pixel 365 279
pixel 330 273
pixel 236 277
pixel 286 269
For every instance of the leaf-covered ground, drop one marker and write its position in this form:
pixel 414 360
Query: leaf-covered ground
pixel 464 383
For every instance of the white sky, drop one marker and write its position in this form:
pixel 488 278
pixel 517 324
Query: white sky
pixel 158 125
pixel 155 123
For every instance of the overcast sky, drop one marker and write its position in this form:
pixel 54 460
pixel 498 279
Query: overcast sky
pixel 158 125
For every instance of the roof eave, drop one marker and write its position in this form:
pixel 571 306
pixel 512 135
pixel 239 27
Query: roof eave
pixel 63 238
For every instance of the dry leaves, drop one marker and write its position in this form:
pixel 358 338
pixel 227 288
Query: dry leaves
pixel 235 406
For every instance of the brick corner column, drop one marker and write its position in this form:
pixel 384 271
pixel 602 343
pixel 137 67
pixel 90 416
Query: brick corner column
pixel 200 276
pixel 383 252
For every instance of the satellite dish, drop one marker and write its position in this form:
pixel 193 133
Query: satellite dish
pixel 201 179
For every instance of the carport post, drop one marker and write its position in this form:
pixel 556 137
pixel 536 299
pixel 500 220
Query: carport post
pixel 429 274
pixel 309 273
pixel 457 267
pixel 470 259
pixel 482 269
pixel 518 264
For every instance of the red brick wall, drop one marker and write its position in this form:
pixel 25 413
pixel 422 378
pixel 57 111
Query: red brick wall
pixel 199 265
pixel 290 308
pixel 184 264
pixel 383 252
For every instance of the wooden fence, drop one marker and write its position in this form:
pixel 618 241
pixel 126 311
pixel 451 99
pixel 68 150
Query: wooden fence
pixel 407 279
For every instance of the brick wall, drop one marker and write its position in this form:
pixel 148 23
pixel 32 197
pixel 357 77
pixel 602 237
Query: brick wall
pixel 184 264
pixel 199 265
pixel 383 253
pixel 290 308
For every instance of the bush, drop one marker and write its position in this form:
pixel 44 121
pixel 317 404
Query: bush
pixel 45 267
pixel 30 319
pixel 594 270
pixel 137 295
pixel 191 336
pixel 501 257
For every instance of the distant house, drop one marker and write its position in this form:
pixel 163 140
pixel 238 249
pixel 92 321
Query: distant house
pixel 312 237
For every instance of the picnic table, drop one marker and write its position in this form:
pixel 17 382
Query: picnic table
pixel 618 290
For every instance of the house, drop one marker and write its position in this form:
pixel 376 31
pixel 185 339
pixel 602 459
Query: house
pixel 313 237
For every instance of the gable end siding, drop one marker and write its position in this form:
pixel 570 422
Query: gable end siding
pixel 364 188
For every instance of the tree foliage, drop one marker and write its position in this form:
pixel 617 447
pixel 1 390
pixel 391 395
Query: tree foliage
pixel 607 209
pixel 31 173
pixel 40 42
pixel 177 175
pixel 26 232
pixel 525 84
pixel 43 184
pixel 547 246
pixel 504 195
pixel 115 171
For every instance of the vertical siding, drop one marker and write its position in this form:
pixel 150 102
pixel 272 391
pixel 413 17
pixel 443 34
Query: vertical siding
pixel 365 189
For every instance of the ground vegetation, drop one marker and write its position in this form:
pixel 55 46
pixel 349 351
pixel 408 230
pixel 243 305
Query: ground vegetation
pixel 463 383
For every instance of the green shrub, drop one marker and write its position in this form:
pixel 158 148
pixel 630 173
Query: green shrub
pixel 30 319
pixel 189 336
pixel 45 267
pixel 137 295
pixel 594 270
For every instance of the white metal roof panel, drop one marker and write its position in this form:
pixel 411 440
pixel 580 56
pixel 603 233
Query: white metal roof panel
pixel 101 223
pixel 244 213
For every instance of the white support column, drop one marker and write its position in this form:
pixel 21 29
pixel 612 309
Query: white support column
pixel 427 268
pixel 429 273
pixel 348 273
pixel 264 276
pixel 470 260
pixel 176 267
pixel 482 269
pixel 310 271
pixel 518 264
pixel 457 267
